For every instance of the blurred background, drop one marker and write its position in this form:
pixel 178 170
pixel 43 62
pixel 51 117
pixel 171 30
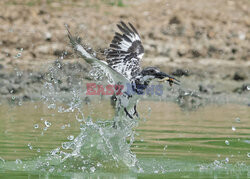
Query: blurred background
pixel 206 42
pixel 198 129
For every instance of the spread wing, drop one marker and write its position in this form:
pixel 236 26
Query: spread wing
pixel 114 76
pixel 125 51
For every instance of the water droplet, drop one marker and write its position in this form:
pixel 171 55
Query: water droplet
pixel 92 169
pixel 52 106
pixel 48 36
pixel 2 160
pixel 36 126
pixel 237 119
pixel 18 73
pixel 242 36
pixel 53 152
pixel 83 168
pixel 140 170
pixel 19 54
pixel 47 123
pixel 51 169
pixel 66 145
pixel 59 65
pixel 216 163
pixel 71 137
pixel 60 109
pixel 233 128
pixel 30 146
pixel 18 161
pixel 227 160
pixel 227 142
pixel 101 131
pixel 248 155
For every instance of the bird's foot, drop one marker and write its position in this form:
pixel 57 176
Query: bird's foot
pixel 115 125
pixel 135 112
pixel 127 113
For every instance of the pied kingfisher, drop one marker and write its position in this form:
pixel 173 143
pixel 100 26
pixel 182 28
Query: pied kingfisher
pixel 123 67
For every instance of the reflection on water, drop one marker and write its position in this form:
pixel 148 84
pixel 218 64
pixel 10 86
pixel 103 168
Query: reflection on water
pixel 169 141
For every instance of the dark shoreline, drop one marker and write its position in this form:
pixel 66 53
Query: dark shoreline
pixel 64 77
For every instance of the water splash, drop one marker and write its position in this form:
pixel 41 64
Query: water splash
pixel 227 142
pixel 18 161
pixel 19 54
pixel 100 145
pixel 2 162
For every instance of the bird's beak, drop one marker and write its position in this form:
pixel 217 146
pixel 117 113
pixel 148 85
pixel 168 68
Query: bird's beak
pixel 165 77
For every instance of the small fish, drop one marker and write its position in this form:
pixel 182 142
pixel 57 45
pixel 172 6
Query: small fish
pixel 171 80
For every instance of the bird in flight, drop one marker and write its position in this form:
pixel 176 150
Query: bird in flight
pixel 123 67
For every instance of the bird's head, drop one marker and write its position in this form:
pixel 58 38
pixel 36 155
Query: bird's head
pixel 151 73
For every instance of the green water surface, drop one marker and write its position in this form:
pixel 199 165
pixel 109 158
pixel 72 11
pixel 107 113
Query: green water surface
pixel 210 142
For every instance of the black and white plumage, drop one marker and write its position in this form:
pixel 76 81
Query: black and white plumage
pixel 123 67
pixel 126 51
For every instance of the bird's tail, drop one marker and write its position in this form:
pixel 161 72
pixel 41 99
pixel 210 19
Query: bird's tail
pixel 73 40
pixel 79 48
